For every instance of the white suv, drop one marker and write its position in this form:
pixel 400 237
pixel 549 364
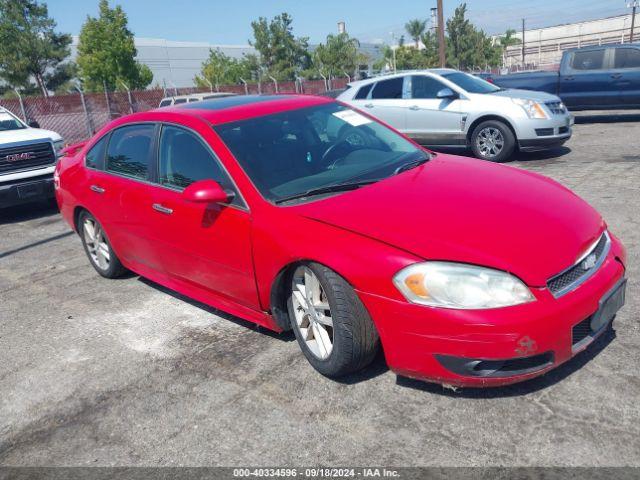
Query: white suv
pixel 28 158
pixel 444 107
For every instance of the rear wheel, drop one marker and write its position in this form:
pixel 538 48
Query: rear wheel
pixel 332 326
pixel 493 140
pixel 97 247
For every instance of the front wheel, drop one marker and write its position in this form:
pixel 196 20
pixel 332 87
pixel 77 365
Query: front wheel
pixel 493 140
pixel 332 326
pixel 97 247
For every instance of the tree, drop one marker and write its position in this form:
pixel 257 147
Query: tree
pixel 106 53
pixel 467 46
pixel 220 69
pixel 338 55
pixel 30 48
pixel 415 28
pixel 509 38
pixel 281 54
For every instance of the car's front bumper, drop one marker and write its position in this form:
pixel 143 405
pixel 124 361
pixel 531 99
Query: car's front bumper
pixel 437 344
pixel 536 134
pixel 26 190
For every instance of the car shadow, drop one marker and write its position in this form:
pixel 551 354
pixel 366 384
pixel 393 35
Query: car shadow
pixel 285 336
pixel 29 211
pixel 605 117
pixel 519 389
pixel 541 155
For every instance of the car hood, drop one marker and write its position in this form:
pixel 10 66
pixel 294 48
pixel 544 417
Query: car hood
pixel 464 210
pixel 527 95
pixel 26 135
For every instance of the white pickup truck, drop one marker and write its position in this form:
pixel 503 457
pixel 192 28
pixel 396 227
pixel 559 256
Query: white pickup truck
pixel 28 156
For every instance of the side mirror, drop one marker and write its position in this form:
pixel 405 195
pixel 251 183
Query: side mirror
pixel 447 93
pixel 33 124
pixel 206 191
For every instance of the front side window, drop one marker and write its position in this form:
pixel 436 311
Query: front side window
pixel 288 155
pixel 391 88
pixel 165 103
pixel 95 156
pixel 627 58
pixel 129 151
pixel 425 87
pixel 588 60
pixel 178 101
pixel 9 122
pixel 185 159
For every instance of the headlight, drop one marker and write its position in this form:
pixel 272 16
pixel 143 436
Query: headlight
pixel 532 108
pixel 58 145
pixel 462 286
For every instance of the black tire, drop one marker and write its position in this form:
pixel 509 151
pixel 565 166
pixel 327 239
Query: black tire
pixel 114 268
pixel 355 338
pixel 505 133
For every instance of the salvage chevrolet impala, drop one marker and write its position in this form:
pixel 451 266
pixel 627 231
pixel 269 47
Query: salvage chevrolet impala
pixel 301 213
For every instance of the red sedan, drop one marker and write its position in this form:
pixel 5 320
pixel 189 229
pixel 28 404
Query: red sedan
pixel 297 212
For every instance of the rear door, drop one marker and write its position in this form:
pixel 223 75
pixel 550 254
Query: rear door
pixel 385 100
pixel 626 75
pixel 586 81
pixel 432 120
pixel 204 245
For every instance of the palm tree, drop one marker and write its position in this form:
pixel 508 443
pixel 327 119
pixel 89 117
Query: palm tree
pixel 415 28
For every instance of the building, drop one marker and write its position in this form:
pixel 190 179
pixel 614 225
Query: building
pixel 544 46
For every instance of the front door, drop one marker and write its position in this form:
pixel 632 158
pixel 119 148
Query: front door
pixel 431 120
pixel 626 75
pixel 207 246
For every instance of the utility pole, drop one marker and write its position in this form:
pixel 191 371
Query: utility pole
pixel 633 5
pixel 523 42
pixel 441 49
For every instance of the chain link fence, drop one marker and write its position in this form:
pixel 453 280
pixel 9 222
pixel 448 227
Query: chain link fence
pixel 78 116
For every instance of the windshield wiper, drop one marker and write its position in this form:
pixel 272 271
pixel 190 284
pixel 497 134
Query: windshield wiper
pixel 338 187
pixel 410 165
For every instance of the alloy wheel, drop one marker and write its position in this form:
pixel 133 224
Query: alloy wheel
pixel 96 242
pixel 490 142
pixel 312 313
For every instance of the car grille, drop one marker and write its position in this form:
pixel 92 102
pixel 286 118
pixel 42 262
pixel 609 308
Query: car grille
pixel 566 281
pixel 544 132
pixel 25 157
pixel 557 108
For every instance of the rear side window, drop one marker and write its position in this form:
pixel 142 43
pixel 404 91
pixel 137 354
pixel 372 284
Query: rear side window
pixel 185 159
pixel 129 151
pixel 180 100
pixel 95 157
pixel 391 88
pixel 165 103
pixel 363 92
pixel 425 87
pixel 194 100
pixel 627 58
pixel 588 60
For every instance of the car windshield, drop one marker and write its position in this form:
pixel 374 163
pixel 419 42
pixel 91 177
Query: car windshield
pixel 470 83
pixel 8 122
pixel 299 154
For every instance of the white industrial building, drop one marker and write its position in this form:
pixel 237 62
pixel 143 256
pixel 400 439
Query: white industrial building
pixel 544 46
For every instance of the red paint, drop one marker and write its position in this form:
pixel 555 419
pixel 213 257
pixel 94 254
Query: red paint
pixel 451 208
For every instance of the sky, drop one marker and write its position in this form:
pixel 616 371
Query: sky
pixel 229 22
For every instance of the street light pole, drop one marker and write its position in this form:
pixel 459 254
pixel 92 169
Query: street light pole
pixel 633 5
pixel 441 50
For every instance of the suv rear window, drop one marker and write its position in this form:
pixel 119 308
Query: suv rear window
pixel 627 58
pixel 391 88
pixel 588 60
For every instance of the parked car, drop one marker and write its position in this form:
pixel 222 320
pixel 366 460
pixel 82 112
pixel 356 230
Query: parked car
pixel 28 156
pixel 601 77
pixel 194 97
pixel 445 107
pixel 465 272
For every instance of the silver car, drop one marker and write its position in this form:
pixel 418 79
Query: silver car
pixel 444 107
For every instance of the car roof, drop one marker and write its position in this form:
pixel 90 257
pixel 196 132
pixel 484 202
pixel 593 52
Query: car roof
pixel 241 107
pixel 436 71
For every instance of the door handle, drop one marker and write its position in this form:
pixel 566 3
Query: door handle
pixel 97 189
pixel 369 105
pixel 568 78
pixel 414 107
pixel 616 75
pixel 162 209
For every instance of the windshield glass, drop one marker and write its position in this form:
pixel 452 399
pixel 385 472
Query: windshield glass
pixel 8 122
pixel 470 83
pixel 290 153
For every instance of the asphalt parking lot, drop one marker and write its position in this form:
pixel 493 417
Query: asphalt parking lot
pixel 123 372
